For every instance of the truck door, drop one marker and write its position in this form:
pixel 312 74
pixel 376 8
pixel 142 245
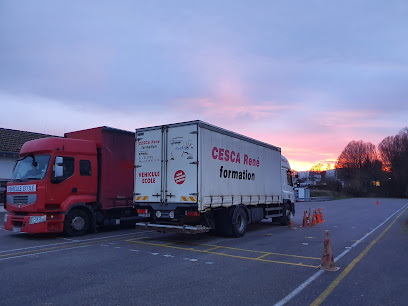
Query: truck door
pixel 63 187
pixel 148 166
pixel 182 164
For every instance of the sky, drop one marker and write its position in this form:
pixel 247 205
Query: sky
pixel 306 76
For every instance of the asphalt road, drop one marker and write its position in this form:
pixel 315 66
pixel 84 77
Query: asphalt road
pixel 271 264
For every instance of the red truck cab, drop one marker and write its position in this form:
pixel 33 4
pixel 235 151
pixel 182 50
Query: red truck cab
pixel 72 184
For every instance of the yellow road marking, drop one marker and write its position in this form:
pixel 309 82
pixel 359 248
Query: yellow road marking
pixel 223 254
pixel 252 251
pixel 264 255
pixel 214 248
pixel 346 271
pixel 237 249
pixel 167 243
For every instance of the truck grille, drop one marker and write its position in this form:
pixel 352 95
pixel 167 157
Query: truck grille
pixel 22 199
pixel 18 221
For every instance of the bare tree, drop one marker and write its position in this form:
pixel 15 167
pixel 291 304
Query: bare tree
pixel 356 155
pixel 359 165
pixel 320 167
pixel 317 168
pixel 394 154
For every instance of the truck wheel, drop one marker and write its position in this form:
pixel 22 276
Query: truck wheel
pixel 239 222
pixel 76 223
pixel 284 220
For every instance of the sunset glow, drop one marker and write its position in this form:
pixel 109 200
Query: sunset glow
pixel 296 76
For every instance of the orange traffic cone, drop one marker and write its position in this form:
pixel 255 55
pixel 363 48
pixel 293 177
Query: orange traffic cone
pixel 291 223
pixel 327 257
pixel 314 221
pixel 321 215
pixel 310 217
pixel 319 220
pixel 305 223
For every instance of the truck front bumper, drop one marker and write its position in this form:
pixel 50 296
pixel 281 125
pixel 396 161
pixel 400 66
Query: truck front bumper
pixel 34 224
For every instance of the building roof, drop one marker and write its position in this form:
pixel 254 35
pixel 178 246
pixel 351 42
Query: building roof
pixel 11 141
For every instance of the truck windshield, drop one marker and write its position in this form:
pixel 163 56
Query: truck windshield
pixel 31 167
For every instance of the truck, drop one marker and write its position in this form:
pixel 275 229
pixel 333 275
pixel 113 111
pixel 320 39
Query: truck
pixel 195 177
pixel 72 184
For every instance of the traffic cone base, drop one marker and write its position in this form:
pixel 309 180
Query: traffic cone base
pixel 330 269
pixel 327 257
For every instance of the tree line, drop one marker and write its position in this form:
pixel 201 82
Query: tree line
pixel 368 170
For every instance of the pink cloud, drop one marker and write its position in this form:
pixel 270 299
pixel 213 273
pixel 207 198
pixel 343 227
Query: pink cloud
pixel 230 107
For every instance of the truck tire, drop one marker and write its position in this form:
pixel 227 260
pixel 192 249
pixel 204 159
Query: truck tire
pixel 239 222
pixel 284 220
pixel 76 223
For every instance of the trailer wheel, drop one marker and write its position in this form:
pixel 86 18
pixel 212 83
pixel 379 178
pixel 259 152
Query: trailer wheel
pixel 76 223
pixel 239 222
pixel 284 220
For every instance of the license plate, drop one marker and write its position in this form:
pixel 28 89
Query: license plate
pixel 16 229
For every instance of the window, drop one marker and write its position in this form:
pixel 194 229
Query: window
pixel 85 168
pixel 31 167
pixel 69 168
pixel 289 177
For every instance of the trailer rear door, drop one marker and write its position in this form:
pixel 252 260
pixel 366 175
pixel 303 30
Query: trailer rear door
pixel 148 164
pixel 182 164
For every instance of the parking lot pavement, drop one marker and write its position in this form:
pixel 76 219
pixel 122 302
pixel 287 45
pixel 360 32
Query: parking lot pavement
pixel 266 266
pixel 142 267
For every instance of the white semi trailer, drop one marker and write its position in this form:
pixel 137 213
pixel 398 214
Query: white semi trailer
pixel 194 177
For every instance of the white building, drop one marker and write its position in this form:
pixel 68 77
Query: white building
pixel 309 178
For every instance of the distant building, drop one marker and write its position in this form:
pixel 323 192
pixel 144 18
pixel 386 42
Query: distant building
pixel 312 178
pixel 331 174
pixel 309 178
pixel 11 142
pixel 303 174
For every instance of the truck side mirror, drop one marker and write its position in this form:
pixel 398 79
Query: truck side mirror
pixel 58 166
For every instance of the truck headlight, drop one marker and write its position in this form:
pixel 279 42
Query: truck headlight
pixel 5 218
pixel 37 219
